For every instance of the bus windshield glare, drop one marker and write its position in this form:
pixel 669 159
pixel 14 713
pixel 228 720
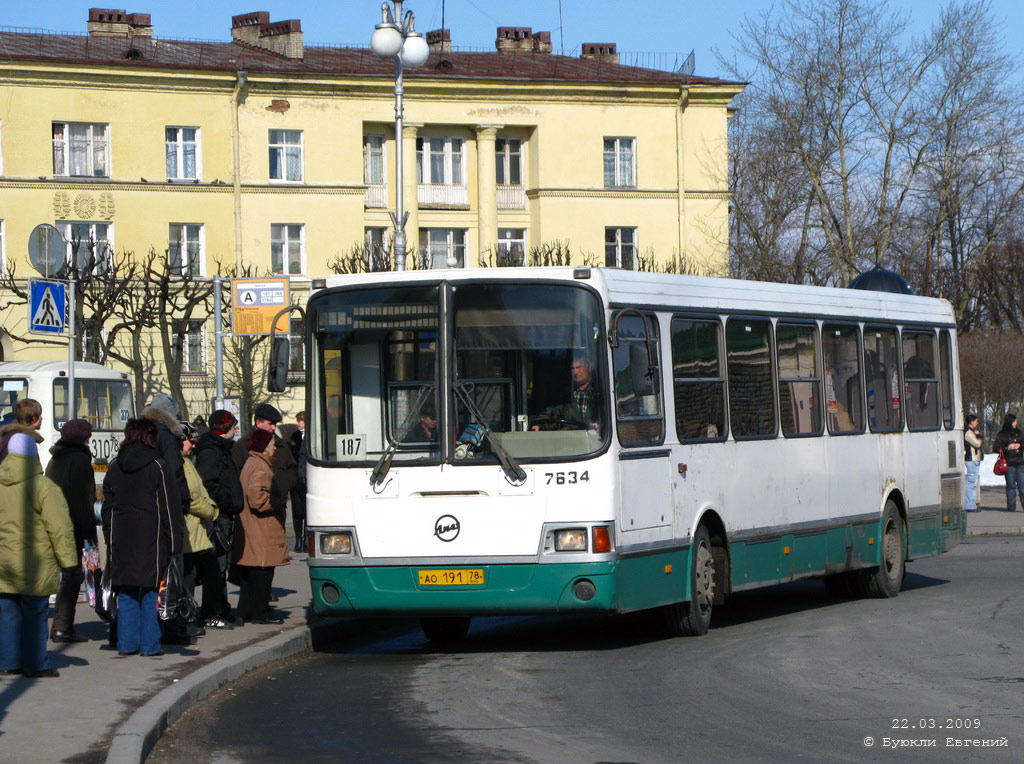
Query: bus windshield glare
pixel 525 378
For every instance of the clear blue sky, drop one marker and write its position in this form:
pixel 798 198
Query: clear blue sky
pixel 649 26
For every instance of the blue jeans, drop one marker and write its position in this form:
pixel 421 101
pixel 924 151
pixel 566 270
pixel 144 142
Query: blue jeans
pixel 138 625
pixel 23 632
pixel 1014 485
pixel 970 501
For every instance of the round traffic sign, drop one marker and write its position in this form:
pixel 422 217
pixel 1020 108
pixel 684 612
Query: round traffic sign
pixel 46 249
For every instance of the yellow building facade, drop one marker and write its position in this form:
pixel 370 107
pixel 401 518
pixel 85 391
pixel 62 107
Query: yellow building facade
pixel 268 154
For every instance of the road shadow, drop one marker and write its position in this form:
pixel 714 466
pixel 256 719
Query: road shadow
pixel 556 633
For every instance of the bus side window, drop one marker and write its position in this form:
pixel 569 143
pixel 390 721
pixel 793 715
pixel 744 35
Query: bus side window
pixel 919 380
pixel 884 393
pixel 699 385
pixel 639 417
pixel 946 378
pixel 751 384
pixel 840 349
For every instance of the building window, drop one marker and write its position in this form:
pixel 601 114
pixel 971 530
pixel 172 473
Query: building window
pixel 81 149
pixel 374 171
pixel 512 246
pixel 189 346
pixel 509 161
pixel 182 153
pixel 287 248
pixel 3 248
pixel 185 249
pixel 89 245
pixel 440 161
pixel 619 247
pixel 286 155
pixel 297 351
pixel 438 244
pixel 619 162
pixel 378 248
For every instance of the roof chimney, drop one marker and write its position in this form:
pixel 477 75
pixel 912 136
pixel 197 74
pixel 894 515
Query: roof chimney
pixel 116 22
pixel 606 52
pixel 281 37
pixel 514 38
pixel 439 40
pixel 541 42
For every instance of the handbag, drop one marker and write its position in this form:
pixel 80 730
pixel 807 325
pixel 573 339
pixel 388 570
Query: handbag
pixel 106 597
pixel 1001 467
pixel 173 598
pixel 91 566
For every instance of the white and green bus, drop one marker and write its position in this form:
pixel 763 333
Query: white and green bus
pixel 102 396
pixel 737 434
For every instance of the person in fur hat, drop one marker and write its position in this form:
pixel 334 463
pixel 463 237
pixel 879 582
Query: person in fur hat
pixel 164 412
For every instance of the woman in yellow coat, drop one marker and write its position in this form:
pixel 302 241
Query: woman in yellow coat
pixel 265 547
pixel 36 542
pixel 200 558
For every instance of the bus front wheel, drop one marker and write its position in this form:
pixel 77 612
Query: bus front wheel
pixel 693 618
pixel 445 630
pixel 887 579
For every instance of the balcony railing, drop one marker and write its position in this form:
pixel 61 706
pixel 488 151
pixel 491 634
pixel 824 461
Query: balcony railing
pixel 438 195
pixel 377 196
pixel 511 197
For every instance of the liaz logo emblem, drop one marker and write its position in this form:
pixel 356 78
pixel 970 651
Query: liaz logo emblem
pixel 446 528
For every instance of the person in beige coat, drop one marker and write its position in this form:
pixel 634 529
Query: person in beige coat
pixel 200 558
pixel 264 543
pixel 37 541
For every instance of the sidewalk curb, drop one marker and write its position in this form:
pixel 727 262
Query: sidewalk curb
pixel 135 739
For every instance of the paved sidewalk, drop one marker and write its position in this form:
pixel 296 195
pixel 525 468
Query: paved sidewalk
pixel 105 708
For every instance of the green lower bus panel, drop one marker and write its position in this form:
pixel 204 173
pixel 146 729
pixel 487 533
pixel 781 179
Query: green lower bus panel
pixel 506 589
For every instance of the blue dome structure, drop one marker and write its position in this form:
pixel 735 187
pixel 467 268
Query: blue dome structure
pixel 880 279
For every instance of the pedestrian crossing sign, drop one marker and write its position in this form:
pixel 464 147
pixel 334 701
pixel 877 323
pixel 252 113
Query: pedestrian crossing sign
pixel 47 306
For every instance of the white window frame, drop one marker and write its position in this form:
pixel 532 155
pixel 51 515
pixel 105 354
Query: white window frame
pixel 194 342
pixel 3 246
pixel 621 152
pixel 370 240
pixel 507 240
pixel 281 149
pixel 283 235
pixel 66 226
pixel 456 241
pixel 375 148
pixel 196 263
pixel 447 151
pixel 95 146
pixel 508 154
pixel 615 249
pixel 178 145
pixel 83 347
pixel 297 350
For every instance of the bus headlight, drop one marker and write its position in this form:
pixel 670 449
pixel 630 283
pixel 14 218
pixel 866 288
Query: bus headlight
pixel 335 543
pixel 571 540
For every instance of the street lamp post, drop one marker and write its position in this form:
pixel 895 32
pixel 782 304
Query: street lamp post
pixel 396 38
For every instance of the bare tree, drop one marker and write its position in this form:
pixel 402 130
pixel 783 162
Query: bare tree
pixel 362 258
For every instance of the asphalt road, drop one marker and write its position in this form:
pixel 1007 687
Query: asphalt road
pixel 786 674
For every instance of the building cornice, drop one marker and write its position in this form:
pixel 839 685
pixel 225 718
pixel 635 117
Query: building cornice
pixel 47 184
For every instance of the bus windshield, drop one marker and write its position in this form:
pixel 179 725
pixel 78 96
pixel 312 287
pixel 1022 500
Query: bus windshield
pixel 12 390
pixel 524 380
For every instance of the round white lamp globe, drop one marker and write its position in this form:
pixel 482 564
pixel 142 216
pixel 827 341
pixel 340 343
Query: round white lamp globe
pixel 386 41
pixel 415 51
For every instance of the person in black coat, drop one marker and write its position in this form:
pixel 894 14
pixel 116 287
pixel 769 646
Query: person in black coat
pixel 143 529
pixel 296 443
pixel 1010 440
pixel 164 412
pixel 220 478
pixel 70 468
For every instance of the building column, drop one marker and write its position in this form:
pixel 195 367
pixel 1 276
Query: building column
pixel 486 191
pixel 412 198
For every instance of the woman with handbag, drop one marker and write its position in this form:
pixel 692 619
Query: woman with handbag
pixel 1008 442
pixel 265 546
pixel 142 525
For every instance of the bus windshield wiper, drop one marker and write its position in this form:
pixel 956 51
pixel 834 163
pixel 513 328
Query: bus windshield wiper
pixel 513 472
pixel 380 471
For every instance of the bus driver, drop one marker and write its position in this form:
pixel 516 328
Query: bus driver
pixel 584 409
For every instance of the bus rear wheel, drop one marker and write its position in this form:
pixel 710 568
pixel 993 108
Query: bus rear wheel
pixel 693 618
pixel 445 630
pixel 887 579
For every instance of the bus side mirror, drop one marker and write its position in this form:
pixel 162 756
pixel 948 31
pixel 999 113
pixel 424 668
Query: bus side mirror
pixel 277 374
pixel 644 375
